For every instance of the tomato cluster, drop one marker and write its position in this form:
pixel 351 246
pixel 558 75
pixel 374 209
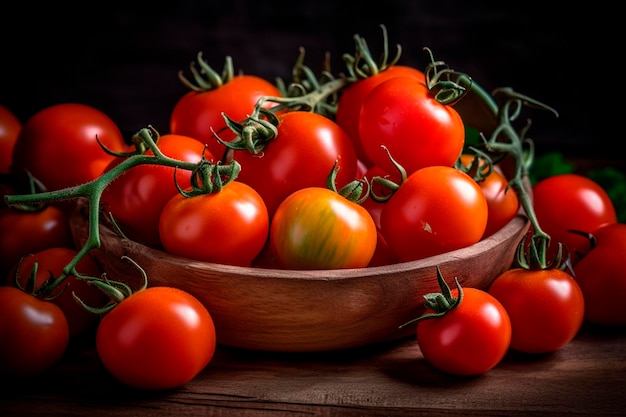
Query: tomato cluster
pixel 253 175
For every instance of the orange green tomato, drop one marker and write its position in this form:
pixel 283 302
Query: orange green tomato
pixel 318 228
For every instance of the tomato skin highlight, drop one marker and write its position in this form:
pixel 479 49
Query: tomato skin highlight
pixel 546 308
pixel 417 130
pixel 601 276
pixel 571 202
pixel 34 333
pixel 227 227
pixel 58 144
pixel 317 228
pixel 437 209
pixel 158 338
pixel 470 339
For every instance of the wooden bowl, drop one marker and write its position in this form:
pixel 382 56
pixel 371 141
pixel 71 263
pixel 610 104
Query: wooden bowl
pixel 300 311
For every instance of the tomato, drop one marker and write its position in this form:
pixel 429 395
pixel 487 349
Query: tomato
pixel 469 339
pixel 437 209
pixel 34 333
pixel 10 127
pixel 502 201
pixel 601 276
pixel 302 155
pixel 318 228
pixel 59 145
pixel 136 198
pixel 546 307
pixel 567 202
pixel 353 96
pixel 199 114
pixel 50 263
pixel 229 227
pixel 418 131
pixel 26 232
pixel 156 339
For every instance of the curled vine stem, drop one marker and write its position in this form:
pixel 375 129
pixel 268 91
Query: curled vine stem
pixel 207 78
pixel 446 85
pixel 363 65
pixel 93 190
pixel 506 139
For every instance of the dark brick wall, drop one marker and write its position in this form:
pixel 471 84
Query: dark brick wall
pixel 124 60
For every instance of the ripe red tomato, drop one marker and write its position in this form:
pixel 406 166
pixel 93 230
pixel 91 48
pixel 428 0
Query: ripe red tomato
pixel 418 131
pixel 50 263
pixel 546 307
pixel 437 209
pixel 10 127
pixel 502 202
pixel 58 144
pixel 567 202
pixel 601 276
pixel 353 96
pixel 469 339
pixel 302 155
pixel 156 339
pixel 136 198
pixel 317 228
pixel 199 114
pixel 34 333
pixel 26 232
pixel 229 227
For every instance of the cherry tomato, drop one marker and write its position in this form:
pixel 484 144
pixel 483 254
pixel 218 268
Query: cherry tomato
pixel 156 339
pixel 50 264
pixel 230 226
pixel 470 339
pixel 136 198
pixel 502 201
pixel 353 96
pixel 437 209
pixel 199 114
pixel 546 307
pixel 59 144
pixel 10 127
pixel 302 155
pixel 401 114
pixel 26 232
pixel 567 202
pixel 317 228
pixel 34 333
pixel 601 276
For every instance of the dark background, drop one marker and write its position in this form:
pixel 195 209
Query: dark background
pixel 124 59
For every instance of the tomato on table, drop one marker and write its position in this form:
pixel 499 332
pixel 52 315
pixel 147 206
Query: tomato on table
pixel 59 145
pixel 34 333
pixel 157 338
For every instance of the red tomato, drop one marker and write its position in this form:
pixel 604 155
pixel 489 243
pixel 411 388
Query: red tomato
pixel 317 228
pixel 571 202
pixel 34 333
pixel 229 227
pixel 546 307
pixel 353 96
pixel 58 144
pixel 470 339
pixel 137 197
pixel 601 276
pixel 199 114
pixel 502 202
pixel 10 127
pixel 302 155
pixel 156 339
pixel 437 209
pixel 50 263
pixel 418 131
pixel 26 232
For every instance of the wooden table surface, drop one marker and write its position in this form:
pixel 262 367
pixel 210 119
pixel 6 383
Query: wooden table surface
pixel 586 377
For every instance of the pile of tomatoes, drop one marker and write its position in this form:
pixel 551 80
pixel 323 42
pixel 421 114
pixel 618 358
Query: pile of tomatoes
pixel 387 177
